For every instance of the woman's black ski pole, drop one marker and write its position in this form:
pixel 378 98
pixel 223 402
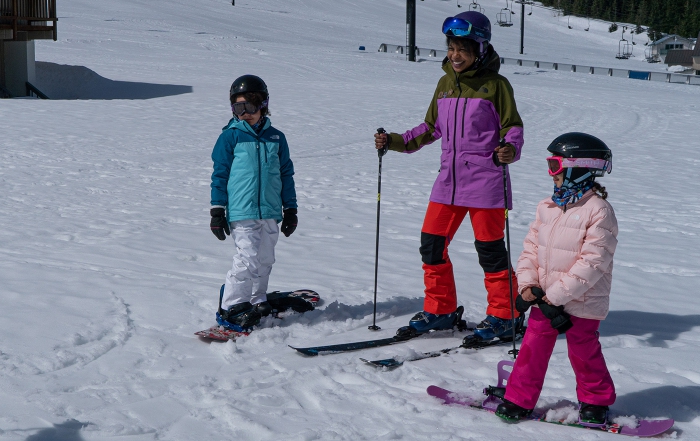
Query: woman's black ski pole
pixel 513 351
pixel 380 152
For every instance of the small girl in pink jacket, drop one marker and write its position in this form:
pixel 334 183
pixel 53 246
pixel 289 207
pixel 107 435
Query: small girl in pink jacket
pixel 565 272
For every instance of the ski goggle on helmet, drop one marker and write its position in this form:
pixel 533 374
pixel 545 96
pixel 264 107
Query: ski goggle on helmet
pixel 472 25
pixel 598 167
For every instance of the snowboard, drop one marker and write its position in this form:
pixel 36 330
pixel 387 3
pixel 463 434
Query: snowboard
pixel 282 300
pixel 644 428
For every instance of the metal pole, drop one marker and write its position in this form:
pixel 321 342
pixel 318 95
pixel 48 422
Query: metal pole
pixel 513 351
pixel 522 25
pixel 411 30
pixel 381 152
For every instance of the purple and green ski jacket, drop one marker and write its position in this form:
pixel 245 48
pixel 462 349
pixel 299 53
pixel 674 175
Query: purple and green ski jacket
pixel 470 111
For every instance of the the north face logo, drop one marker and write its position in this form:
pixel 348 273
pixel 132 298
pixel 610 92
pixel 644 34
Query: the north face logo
pixel 484 90
pixel 275 137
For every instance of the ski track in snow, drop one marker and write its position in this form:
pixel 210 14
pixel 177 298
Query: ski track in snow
pixel 108 267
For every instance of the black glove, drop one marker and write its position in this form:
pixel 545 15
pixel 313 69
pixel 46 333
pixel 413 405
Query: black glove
pixel 521 305
pixel 219 224
pixel 289 221
pixel 560 320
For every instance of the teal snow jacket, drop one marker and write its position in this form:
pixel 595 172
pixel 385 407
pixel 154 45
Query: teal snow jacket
pixel 253 174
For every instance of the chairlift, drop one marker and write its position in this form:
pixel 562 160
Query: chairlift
pixel 503 17
pixel 589 24
pixel 475 6
pixel 568 22
pixel 624 48
pixel 530 3
pixel 649 57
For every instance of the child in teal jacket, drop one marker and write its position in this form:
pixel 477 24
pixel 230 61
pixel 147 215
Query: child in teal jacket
pixel 252 189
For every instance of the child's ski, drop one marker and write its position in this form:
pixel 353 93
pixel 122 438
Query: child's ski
pixel 299 300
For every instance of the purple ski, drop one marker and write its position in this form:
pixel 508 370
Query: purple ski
pixel 644 428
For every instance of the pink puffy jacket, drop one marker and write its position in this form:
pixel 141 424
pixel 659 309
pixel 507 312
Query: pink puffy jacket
pixel 569 254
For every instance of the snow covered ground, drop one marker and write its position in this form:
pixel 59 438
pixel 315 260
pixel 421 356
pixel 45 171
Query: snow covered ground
pixel 108 267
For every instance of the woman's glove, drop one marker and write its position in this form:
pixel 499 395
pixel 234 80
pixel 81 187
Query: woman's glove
pixel 289 221
pixel 219 224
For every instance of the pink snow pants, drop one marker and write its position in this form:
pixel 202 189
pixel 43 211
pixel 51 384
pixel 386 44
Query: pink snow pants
pixel 593 382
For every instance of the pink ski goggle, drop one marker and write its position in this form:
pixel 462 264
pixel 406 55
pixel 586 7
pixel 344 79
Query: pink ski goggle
pixel 557 164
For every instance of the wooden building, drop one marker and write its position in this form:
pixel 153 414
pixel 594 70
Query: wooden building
pixel 659 48
pixel 22 22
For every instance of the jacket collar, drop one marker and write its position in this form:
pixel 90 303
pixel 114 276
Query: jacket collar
pixel 490 63
pixel 245 127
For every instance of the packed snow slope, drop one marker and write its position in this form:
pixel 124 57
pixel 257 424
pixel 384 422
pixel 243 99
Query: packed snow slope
pixel 108 267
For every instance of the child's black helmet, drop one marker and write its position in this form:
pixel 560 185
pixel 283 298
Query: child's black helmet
pixel 579 145
pixel 248 83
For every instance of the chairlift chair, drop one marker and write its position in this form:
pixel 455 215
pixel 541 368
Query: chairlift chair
pixel 503 17
pixel 589 24
pixel 624 50
pixel 530 3
pixel 568 22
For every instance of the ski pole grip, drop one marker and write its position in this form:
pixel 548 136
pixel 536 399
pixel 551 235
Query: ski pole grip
pixel 382 151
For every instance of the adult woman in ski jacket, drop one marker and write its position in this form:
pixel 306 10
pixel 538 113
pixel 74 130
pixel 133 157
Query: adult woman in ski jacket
pixel 471 111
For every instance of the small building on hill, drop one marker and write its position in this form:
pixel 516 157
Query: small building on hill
pixel 659 48
pixel 22 22
pixel 687 58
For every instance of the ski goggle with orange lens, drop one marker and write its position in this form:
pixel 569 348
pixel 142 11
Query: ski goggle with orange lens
pixel 242 107
pixel 557 164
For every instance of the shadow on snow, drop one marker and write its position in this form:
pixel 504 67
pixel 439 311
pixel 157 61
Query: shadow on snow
pixel 662 327
pixel 69 430
pixel 65 82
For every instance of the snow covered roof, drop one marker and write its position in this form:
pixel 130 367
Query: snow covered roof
pixel 670 37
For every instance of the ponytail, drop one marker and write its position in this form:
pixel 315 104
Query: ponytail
pixel 600 190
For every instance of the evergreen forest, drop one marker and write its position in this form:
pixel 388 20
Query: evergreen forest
pixel 681 17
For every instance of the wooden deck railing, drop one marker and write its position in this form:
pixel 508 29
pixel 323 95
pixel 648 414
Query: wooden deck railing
pixel 28 16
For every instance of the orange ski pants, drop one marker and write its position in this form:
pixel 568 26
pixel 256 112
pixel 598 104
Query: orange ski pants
pixel 439 227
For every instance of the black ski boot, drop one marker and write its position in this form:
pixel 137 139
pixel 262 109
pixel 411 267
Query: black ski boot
pixel 511 412
pixel 592 415
pixel 240 317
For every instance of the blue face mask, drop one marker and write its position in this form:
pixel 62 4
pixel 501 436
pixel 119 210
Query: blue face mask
pixel 571 192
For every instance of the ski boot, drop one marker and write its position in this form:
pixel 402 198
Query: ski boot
pixel 591 415
pixel 424 322
pixel 511 412
pixel 493 327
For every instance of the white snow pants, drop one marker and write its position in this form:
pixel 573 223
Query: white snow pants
pixel 255 241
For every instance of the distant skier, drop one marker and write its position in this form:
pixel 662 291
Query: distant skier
pixel 252 189
pixel 472 109
pixel 566 267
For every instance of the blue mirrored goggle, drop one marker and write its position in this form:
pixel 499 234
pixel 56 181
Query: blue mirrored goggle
pixel 456 27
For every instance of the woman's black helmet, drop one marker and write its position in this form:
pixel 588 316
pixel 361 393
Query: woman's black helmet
pixel 248 83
